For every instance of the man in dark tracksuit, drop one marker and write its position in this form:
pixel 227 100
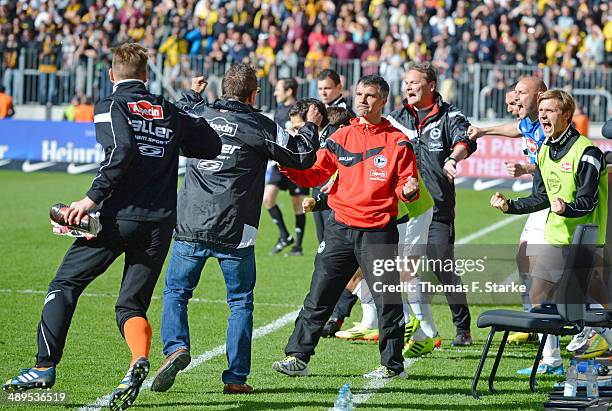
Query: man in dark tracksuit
pixel 376 166
pixel 219 207
pixel 437 131
pixel 135 193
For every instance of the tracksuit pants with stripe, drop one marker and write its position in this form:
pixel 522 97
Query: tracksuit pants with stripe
pixel 342 251
pixel 145 245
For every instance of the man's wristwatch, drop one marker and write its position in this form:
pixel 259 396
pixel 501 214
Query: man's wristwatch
pixel 450 158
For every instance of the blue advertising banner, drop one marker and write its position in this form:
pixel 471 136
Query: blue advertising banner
pixel 38 145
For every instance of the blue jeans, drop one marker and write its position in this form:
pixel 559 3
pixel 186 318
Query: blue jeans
pixel 238 266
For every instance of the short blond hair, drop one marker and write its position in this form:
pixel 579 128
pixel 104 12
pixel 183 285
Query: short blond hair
pixel 568 105
pixel 129 61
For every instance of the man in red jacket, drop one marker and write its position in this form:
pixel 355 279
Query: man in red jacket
pixel 376 166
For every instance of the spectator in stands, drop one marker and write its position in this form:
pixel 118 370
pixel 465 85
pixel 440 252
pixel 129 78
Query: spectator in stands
pixel 84 111
pixel 70 109
pixel 10 60
pixel 6 104
pixel 48 59
pixel 370 59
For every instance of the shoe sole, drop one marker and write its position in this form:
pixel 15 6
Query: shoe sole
pixel 164 379
pixel 122 400
pixel 278 368
pixel 27 386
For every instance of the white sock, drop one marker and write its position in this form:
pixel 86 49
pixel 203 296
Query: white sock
pixel 551 354
pixel 422 310
pixel 369 319
pixel 407 312
pixel 526 280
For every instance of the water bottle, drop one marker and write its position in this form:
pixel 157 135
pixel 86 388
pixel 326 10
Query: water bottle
pixel 592 388
pixel 349 397
pixel 571 384
pixel 90 223
pixel 341 402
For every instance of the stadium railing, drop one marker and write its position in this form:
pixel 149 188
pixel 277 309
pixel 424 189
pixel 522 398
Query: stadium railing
pixel 478 89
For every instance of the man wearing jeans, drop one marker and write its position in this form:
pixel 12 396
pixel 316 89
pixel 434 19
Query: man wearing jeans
pixel 219 207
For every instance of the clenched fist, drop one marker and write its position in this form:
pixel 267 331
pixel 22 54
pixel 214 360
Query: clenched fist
pixel 500 202
pixel 557 206
pixel 515 169
pixel 474 132
pixel 411 187
pixel 308 204
pixel 198 84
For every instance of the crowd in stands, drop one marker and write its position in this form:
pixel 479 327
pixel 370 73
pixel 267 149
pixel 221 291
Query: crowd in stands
pixel 300 37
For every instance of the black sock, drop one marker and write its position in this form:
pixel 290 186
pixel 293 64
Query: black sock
pixel 277 217
pixel 300 224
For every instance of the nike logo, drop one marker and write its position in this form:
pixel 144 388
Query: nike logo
pixel 519 185
pixel 74 169
pixel 460 180
pixel 4 162
pixel 480 185
pixel 28 167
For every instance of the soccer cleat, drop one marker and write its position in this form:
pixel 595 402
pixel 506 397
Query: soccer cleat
pixel 29 378
pixel 331 327
pixel 359 333
pixel 522 338
pixel 580 340
pixel 463 338
pixel 126 392
pixel 164 378
pixel 384 373
pixel 416 349
pixel 291 366
pixel 281 244
pixel 543 369
pixel 597 347
pixel 412 326
pixel 295 252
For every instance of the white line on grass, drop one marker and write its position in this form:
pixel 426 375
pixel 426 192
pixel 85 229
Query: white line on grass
pixel 376 384
pixel 111 295
pixel 207 356
pixel 469 238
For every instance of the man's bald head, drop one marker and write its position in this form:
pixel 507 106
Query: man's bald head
pixel 526 95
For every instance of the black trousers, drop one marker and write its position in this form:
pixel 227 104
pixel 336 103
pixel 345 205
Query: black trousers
pixel 440 245
pixel 145 246
pixel 341 252
pixel 320 217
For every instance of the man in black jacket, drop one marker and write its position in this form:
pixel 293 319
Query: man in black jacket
pixel 437 131
pixel 219 207
pixel 135 193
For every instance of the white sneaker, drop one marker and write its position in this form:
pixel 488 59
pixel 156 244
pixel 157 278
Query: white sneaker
pixel 580 340
pixel 383 373
pixel 291 366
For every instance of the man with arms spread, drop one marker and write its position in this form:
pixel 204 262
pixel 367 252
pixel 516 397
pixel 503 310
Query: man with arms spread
pixel 376 166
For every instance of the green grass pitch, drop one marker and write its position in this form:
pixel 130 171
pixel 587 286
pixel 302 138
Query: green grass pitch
pixel 96 357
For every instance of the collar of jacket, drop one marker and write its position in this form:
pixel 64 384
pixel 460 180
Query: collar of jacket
pixel 375 128
pixel 234 105
pixel 130 84
pixel 562 145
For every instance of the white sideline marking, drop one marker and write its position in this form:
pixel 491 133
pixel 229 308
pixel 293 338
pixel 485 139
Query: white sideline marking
pixel 206 356
pixel 469 238
pixel 110 295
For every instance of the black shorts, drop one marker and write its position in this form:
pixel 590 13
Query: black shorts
pixel 276 178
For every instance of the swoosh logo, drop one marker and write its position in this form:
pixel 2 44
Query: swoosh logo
pixel 4 162
pixel 522 186
pixel 460 180
pixel 28 167
pixel 480 185
pixel 74 169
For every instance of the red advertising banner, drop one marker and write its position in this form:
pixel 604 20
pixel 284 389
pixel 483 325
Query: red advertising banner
pixel 494 151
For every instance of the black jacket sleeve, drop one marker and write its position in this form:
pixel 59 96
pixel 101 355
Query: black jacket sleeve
pixel 189 100
pixel 115 135
pixel 299 152
pixel 587 183
pixel 458 125
pixel 199 138
pixel 538 200
pixel 321 203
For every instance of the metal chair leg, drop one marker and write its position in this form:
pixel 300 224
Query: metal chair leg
pixel 483 358
pixel 500 352
pixel 534 369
